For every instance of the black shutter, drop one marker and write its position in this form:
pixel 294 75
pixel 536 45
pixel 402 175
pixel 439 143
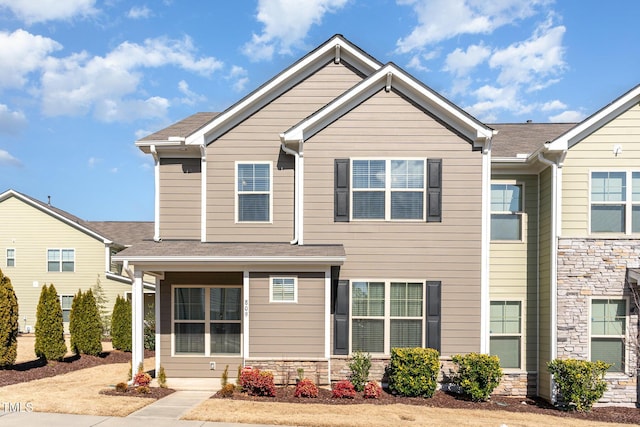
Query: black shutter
pixel 341 188
pixel 432 338
pixel 434 190
pixel 341 319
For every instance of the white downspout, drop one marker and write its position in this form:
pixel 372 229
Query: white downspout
pixel 485 248
pixel 156 169
pixel 203 193
pixel 296 192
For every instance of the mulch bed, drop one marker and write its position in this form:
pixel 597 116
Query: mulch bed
pixel 154 392
pixel 443 399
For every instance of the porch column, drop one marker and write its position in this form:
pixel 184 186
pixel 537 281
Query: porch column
pixel 157 331
pixel 137 320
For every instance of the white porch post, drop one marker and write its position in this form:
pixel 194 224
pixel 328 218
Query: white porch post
pixel 157 331
pixel 137 320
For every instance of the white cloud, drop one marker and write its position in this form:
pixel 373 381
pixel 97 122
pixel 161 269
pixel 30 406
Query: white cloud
pixel 7 159
pixel 139 12
pixel 445 19
pixel 190 97
pixel 240 77
pixel 569 116
pixel 286 23
pixel 22 53
pixel 491 99
pixel 553 105
pixel 11 122
pixel 461 62
pixel 110 85
pixel 93 161
pixel 32 11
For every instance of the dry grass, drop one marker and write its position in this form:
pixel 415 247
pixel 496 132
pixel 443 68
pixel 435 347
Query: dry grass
pixel 234 411
pixel 26 344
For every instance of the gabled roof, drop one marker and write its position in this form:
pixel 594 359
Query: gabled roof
pixel 336 49
pixel 519 140
pixel 181 129
pixel 120 232
pixel 595 121
pixel 391 76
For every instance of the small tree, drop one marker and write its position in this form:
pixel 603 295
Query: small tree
pixel 85 325
pixel 101 303
pixel 8 322
pixel 121 324
pixel 49 343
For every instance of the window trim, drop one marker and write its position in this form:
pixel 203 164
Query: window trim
pixel 60 251
pixel 628 203
pixel 60 296
pixel 521 335
pixel 207 322
pixel 625 338
pixel 238 193
pixel 13 258
pixel 387 312
pixel 295 290
pixel 521 213
pixel 388 189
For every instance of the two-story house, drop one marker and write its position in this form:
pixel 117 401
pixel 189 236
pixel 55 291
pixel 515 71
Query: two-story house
pixel 42 244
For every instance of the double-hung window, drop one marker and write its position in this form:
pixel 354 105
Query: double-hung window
pixel 60 260
pixel 608 332
pixel 66 301
pixel 388 189
pixel 253 188
pixel 386 315
pixel 506 211
pixel 505 340
pixel 207 320
pixel 615 202
pixel 11 257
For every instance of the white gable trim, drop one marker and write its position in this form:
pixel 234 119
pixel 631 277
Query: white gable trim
pixel 337 49
pixel 386 77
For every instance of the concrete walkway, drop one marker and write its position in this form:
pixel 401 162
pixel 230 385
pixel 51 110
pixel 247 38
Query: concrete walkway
pixel 165 412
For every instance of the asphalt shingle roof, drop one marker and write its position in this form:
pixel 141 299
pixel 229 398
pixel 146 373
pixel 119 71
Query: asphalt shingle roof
pixel 524 138
pixel 183 128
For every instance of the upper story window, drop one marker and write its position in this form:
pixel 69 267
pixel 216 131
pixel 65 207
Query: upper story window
pixel 388 189
pixel 253 188
pixel 11 257
pixel 283 289
pixel 615 205
pixel 506 211
pixel 60 260
pixel 608 332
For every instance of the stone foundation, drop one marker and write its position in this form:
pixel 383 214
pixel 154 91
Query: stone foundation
pixel 589 268
pixel 286 371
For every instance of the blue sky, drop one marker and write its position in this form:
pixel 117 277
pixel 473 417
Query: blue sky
pixel 82 80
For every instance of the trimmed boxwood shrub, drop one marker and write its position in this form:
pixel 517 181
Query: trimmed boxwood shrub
pixel 414 371
pixel 477 375
pixel 121 324
pixel 579 383
pixel 49 343
pixel 8 322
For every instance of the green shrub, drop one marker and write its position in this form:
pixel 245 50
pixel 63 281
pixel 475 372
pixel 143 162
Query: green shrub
pixel 477 374
pixel 306 388
pixel 85 325
pixel 224 379
pixel 143 389
pixel 414 371
pixel 579 383
pixel 359 365
pixel 121 324
pixel 372 390
pixel 8 322
pixel 162 378
pixel 49 343
pixel 343 389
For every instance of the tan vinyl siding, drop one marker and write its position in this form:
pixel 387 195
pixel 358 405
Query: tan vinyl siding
pixel 191 366
pixel 545 271
pixel 388 126
pixel 595 152
pixel 180 195
pixel 257 139
pixel 31 232
pixel 285 330
pixel 514 265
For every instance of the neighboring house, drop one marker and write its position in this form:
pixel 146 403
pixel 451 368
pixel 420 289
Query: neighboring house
pixel 41 244
pixel 345 206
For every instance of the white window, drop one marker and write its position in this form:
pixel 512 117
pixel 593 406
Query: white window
pixel 60 260
pixel 608 332
pixel 615 205
pixel 207 320
pixel 11 257
pixel 505 339
pixel 253 188
pixel 506 211
pixel 66 301
pixel 385 315
pixel 283 289
pixel 388 189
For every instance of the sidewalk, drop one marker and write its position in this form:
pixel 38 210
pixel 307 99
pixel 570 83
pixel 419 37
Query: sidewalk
pixel 164 412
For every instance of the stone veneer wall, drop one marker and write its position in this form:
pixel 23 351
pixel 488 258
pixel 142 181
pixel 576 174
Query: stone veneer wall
pixel 589 268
